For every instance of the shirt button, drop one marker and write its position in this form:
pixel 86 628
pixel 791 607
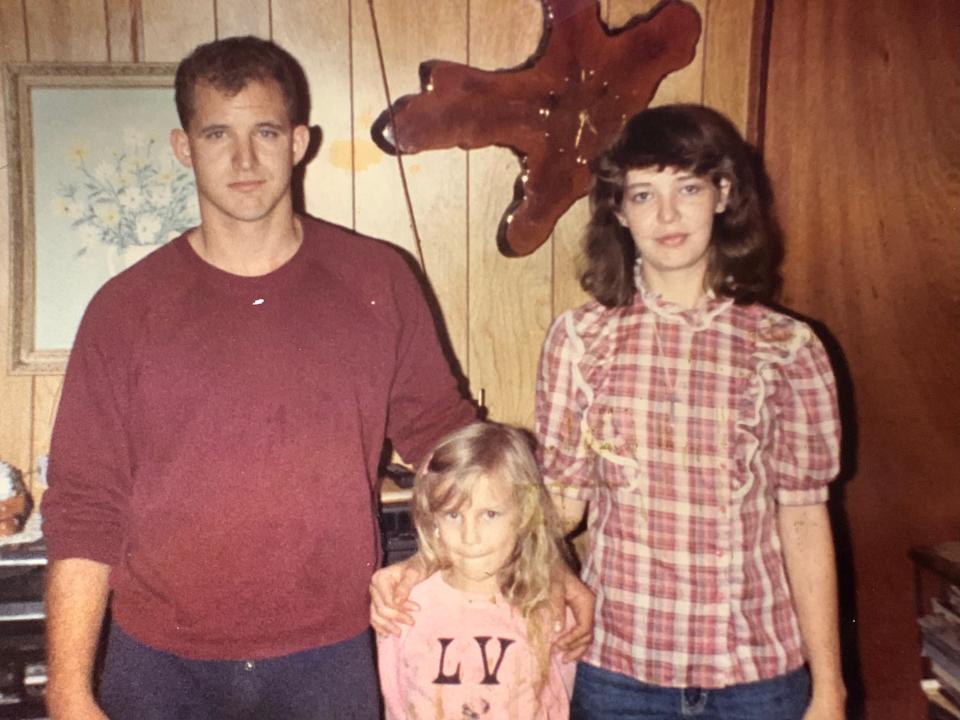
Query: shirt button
pixel 249 665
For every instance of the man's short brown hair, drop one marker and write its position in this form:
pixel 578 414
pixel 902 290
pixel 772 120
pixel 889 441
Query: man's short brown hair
pixel 230 64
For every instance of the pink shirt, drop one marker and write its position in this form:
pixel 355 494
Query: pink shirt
pixel 468 656
pixel 685 430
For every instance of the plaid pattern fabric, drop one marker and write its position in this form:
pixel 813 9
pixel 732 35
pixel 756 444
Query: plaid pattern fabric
pixel 685 429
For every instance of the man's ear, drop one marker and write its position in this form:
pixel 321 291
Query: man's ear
pixel 181 147
pixel 301 141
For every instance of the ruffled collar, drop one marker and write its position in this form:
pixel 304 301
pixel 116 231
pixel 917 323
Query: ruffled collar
pixel 698 318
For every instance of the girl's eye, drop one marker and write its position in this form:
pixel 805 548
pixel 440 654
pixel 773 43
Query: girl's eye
pixel 453 515
pixel 640 197
pixel 492 514
pixel 691 188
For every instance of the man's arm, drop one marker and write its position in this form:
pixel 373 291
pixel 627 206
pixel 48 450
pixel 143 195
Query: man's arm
pixel 390 588
pixel 809 558
pixel 76 600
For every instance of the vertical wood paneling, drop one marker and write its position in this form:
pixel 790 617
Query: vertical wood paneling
pixel 863 145
pixel 318 35
pixel 13 40
pixel 172 28
pixel 16 392
pixel 412 31
pixel 510 298
pixel 124 30
pixel 730 77
pixel 243 17
pixel 567 245
pixel 67 30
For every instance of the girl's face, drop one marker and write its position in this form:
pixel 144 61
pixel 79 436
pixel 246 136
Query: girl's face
pixel 670 213
pixel 480 536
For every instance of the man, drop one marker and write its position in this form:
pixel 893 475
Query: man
pixel 214 458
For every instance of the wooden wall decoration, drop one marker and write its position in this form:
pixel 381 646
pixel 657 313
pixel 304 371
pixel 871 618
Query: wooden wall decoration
pixel 557 110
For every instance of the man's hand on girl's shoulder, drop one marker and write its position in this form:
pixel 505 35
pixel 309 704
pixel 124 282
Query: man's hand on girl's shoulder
pixel 390 603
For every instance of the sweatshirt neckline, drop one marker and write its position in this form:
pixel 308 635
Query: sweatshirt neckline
pixel 242 285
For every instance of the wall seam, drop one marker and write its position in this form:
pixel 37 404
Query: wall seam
pixel 466 207
pixel 353 129
pixel 26 29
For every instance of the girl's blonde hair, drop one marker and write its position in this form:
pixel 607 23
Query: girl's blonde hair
pixel 446 482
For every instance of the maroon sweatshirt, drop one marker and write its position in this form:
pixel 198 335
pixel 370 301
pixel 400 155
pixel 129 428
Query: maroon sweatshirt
pixel 218 438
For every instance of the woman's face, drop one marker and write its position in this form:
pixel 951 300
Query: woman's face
pixel 670 213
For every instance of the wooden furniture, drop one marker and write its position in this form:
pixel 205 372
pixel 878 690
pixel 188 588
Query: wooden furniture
pixel 23 672
pixel 936 568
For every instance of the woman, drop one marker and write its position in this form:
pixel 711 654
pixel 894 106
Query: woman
pixel 700 428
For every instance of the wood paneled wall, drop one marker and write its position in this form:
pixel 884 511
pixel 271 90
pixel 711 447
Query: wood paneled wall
pixel 496 309
pixel 862 140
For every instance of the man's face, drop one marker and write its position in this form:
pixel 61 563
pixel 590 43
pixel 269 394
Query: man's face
pixel 242 149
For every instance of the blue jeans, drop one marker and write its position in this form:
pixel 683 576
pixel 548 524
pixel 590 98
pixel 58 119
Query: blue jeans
pixel 335 682
pixel 602 694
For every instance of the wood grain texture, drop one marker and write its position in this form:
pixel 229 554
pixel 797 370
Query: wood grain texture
pixel 243 17
pixel 172 28
pixel 318 35
pixel 46 397
pixel 863 146
pixel 16 409
pixel 510 298
pixel 567 249
pixel 124 30
pixel 410 32
pixel 66 30
pixel 731 68
pixel 13 39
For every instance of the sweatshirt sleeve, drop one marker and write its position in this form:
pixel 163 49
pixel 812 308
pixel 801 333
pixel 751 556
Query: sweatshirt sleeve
pixel 425 400
pixel 89 473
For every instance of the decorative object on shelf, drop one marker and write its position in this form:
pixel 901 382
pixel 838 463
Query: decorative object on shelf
pixel 557 110
pixel 15 501
pixel 91 191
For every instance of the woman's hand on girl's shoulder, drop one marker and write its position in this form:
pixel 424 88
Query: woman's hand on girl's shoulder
pixel 390 603
pixel 567 591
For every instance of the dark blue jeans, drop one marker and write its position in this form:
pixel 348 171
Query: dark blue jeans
pixel 335 682
pixel 602 694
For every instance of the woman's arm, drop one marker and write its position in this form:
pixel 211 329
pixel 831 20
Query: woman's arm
pixel 809 558
pixel 569 511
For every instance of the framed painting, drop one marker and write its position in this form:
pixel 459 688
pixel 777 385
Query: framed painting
pixel 94 186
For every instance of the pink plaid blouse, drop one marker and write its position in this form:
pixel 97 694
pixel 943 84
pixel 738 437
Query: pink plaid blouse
pixel 685 429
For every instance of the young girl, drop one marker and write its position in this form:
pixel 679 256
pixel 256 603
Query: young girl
pixel 701 427
pixel 480 647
